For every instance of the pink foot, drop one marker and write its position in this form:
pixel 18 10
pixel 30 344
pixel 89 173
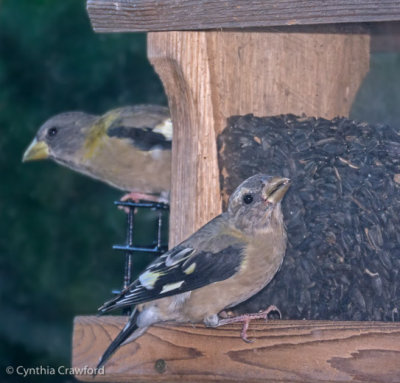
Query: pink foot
pixel 136 197
pixel 246 318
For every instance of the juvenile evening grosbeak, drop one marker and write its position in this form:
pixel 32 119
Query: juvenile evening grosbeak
pixel 225 262
pixel 128 148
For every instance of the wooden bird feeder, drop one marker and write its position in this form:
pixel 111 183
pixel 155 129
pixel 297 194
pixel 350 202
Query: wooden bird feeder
pixel 216 59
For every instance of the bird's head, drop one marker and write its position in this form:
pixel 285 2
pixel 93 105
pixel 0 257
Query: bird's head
pixel 256 202
pixel 61 138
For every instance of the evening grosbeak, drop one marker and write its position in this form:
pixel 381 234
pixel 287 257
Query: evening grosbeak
pixel 128 148
pixel 225 262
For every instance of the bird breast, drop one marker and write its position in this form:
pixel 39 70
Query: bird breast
pixel 132 169
pixel 263 258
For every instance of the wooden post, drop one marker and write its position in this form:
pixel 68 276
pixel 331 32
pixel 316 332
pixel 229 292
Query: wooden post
pixel 209 76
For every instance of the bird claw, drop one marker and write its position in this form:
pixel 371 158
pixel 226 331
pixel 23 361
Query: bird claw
pixel 136 197
pixel 243 334
pixel 247 340
pixel 271 309
pixel 246 318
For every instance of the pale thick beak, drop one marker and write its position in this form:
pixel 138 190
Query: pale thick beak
pixel 37 150
pixel 276 189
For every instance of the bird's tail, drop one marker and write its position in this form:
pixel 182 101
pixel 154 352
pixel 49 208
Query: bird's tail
pixel 122 337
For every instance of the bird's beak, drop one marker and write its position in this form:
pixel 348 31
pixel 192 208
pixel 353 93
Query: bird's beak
pixel 37 150
pixel 275 189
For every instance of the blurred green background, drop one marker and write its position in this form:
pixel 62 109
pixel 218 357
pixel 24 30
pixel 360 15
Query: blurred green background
pixel 57 227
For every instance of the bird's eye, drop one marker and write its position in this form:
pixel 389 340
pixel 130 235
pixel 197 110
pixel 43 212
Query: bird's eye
pixel 52 132
pixel 247 199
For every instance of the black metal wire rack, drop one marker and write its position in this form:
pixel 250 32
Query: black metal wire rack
pixel 129 249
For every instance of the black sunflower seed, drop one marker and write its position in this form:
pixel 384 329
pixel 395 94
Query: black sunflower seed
pixel 342 212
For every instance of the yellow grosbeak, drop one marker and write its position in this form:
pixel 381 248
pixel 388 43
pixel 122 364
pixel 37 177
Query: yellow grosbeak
pixel 128 148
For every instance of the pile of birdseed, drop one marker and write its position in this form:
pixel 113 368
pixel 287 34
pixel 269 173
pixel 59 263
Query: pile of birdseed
pixel 342 212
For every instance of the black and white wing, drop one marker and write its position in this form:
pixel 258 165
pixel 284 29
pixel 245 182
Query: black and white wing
pixel 146 126
pixel 180 270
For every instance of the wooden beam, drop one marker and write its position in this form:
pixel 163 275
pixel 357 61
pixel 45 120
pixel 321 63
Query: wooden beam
pixel 209 76
pixel 285 351
pixel 168 15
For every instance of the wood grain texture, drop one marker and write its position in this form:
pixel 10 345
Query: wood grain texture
pixel 209 76
pixel 182 62
pixel 153 15
pixel 285 351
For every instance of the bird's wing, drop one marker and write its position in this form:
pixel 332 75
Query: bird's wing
pixel 179 270
pixel 146 126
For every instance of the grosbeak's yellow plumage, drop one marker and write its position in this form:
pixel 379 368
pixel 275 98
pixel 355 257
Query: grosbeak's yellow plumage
pixel 225 262
pixel 128 148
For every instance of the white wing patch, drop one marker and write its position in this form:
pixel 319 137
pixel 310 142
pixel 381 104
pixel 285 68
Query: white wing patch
pixel 148 279
pixel 165 128
pixel 171 286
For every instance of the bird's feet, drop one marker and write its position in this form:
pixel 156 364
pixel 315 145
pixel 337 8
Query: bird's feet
pixel 246 318
pixel 136 197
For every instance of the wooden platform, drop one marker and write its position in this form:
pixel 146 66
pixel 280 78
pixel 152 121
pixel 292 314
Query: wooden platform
pixel 284 351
